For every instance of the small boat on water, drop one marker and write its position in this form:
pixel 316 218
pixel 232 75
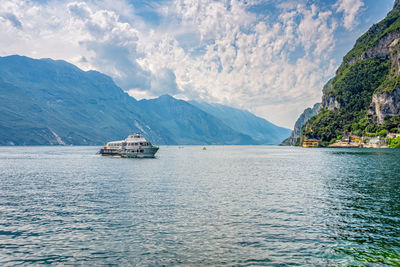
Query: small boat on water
pixel 134 146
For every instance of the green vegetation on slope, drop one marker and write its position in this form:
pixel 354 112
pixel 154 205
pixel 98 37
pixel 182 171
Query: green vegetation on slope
pixel 367 69
pixel 389 24
pixel 355 85
pixel 353 89
pixel 394 143
pixel 389 84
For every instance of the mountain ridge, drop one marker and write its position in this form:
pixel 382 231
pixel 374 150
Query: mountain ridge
pixel 261 130
pixel 45 101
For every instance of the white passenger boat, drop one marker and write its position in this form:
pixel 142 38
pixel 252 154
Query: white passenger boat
pixel 134 146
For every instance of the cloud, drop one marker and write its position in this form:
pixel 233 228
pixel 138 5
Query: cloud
pixel 111 42
pixel 164 81
pixel 80 10
pixel 218 51
pixel 245 62
pixel 12 19
pixel 350 9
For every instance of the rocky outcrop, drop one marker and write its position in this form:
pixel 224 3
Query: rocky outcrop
pixel 301 121
pixel 330 103
pixel 386 101
pixel 380 50
pixel 396 4
pixel 395 57
pixel 387 47
pixel 385 105
pixel 379 42
pixel 375 43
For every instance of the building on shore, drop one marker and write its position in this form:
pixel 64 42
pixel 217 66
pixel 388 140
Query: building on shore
pixel 352 141
pixel 375 142
pixel 310 143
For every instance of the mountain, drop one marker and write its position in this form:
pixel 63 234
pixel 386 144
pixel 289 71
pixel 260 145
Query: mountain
pixel 364 96
pixel 54 102
pixel 307 114
pixel 261 130
pixel 189 125
pixel 47 102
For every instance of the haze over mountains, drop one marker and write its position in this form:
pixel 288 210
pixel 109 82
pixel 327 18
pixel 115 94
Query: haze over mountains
pixel 48 102
pixel 261 130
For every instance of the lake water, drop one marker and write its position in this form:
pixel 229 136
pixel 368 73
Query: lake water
pixel 227 205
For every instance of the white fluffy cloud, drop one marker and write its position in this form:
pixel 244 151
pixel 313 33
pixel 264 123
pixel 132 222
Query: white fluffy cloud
pixel 217 51
pixel 241 61
pixel 350 8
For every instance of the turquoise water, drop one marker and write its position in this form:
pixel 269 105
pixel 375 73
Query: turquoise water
pixel 227 205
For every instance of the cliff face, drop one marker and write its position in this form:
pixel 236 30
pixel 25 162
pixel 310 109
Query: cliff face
pixel 396 4
pixel 377 43
pixel 385 105
pixel 301 121
pixel 331 103
pixel 386 100
pixel 364 96
pixel 381 49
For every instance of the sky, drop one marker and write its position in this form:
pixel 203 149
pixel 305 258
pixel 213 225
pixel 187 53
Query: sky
pixel 270 57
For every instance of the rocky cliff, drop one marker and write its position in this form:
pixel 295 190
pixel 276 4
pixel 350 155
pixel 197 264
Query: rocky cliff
pixel 307 114
pixel 396 4
pixel 385 105
pixel 364 96
pixel 378 43
pixel 386 99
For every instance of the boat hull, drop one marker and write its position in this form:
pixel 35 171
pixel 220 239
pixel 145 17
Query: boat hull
pixel 109 152
pixel 145 152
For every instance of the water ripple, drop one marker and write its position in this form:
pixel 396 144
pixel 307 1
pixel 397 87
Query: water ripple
pixel 247 206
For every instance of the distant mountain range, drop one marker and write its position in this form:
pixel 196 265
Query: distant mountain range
pixel 261 130
pixel 49 102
